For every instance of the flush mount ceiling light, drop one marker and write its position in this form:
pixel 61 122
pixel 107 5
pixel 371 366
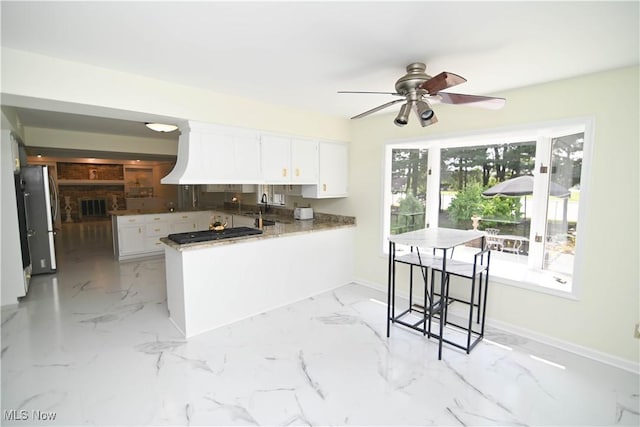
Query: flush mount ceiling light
pixel 161 127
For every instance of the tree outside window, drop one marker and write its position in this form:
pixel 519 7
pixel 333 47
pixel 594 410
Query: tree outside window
pixel 408 188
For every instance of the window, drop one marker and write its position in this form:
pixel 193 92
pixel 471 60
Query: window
pixel 524 186
pixel 408 189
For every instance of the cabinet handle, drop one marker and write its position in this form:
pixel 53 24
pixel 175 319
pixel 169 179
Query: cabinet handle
pixel 324 187
pixel 184 216
pixel 284 171
pixel 156 219
pixel 157 229
pixel 297 172
pixel 139 230
pixel 132 220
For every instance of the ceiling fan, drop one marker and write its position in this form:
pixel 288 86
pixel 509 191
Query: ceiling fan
pixel 419 90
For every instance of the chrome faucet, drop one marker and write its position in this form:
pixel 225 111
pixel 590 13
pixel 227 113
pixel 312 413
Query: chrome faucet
pixel 264 201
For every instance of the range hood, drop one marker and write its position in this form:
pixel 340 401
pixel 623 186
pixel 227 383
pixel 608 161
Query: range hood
pixel 213 154
pixel 181 173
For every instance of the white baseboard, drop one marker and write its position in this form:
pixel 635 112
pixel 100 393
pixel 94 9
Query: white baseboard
pixel 587 352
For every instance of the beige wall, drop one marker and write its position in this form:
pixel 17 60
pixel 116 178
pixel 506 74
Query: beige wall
pixel 26 75
pixel 609 306
pixel 74 140
pixel 604 317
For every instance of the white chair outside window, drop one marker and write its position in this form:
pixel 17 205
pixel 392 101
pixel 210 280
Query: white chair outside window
pixel 491 240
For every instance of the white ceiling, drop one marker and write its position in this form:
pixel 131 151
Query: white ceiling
pixel 301 53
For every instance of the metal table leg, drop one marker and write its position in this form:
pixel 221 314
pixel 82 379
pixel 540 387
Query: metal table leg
pixel 390 279
pixel 443 301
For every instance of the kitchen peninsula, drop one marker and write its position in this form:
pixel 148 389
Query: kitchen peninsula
pixel 214 283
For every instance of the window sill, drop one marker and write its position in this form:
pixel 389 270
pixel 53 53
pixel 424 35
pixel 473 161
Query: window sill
pixel 535 282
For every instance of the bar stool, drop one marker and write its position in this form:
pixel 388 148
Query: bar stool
pixel 478 273
pixel 422 260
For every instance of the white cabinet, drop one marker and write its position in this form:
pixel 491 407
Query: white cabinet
pixel 333 173
pixel 131 239
pixel 233 159
pixel 131 236
pixel 184 222
pixel 304 161
pixel 276 159
pixel 289 160
pixel 247 157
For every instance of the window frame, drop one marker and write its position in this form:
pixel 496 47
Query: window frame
pixel 513 134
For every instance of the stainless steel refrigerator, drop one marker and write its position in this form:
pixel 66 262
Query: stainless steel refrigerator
pixel 41 204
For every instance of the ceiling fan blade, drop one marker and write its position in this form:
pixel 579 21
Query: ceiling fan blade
pixel 378 108
pixel 488 102
pixel 442 81
pixel 379 93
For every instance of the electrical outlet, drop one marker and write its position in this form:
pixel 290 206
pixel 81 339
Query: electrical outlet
pixel 636 333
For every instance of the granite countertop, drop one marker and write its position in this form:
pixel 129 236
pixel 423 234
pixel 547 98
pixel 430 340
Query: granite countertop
pixel 280 229
pixel 123 212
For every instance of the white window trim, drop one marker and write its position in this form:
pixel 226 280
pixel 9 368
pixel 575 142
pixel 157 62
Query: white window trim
pixel 510 134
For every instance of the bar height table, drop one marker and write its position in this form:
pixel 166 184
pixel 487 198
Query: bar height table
pixel 439 239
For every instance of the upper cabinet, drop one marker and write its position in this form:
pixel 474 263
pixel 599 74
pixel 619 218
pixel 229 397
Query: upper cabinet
pixel 289 160
pixel 333 174
pixel 212 154
pixel 304 161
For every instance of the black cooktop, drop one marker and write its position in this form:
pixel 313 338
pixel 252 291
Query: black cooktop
pixel 205 236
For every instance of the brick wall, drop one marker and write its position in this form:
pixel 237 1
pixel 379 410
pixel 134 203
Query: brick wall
pixel 83 171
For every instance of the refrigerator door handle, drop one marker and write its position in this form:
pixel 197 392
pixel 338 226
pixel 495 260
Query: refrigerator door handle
pixel 55 198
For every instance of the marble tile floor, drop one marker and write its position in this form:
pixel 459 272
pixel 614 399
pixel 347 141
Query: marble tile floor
pixel 92 345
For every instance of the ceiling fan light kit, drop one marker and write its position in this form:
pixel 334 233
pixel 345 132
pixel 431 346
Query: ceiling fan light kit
pixel 418 88
pixel 403 116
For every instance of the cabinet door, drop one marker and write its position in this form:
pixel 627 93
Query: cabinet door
pixel 153 244
pixel 183 227
pixel 333 172
pixel 248 168
pixel 131 239
pixel 304 161
pixel 333 169
pixel 183 222
pixel 158 229
pixel 276 159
